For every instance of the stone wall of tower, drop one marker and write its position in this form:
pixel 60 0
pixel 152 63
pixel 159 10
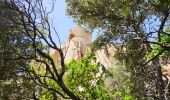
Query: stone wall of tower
pixel 76 46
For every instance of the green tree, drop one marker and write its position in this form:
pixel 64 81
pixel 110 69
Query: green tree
pixel 131 25
pixel 34 20
pixel 81 78
pixel 15 54
pixel 56 80
pixel 87 80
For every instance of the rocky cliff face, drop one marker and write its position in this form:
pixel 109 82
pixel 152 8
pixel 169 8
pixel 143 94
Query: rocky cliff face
pixel 105 56
pixel 77 45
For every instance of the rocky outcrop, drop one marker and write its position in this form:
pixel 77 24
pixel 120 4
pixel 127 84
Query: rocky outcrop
pixel 77 45
pixel 105 56
pixel 75 48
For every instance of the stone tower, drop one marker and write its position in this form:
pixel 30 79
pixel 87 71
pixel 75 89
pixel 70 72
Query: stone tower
pixel 76 46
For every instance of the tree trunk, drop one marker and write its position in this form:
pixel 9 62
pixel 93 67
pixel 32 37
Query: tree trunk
pixel 159 79
pixel 67 91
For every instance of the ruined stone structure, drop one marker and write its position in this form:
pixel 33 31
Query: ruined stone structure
pixel 76 47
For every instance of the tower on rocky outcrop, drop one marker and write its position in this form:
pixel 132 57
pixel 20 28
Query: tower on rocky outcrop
pixel 76 46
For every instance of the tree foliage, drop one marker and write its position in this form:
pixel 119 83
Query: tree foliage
pixel 86 79
pixel 33 19
pixel 130 25
pixel 15 53
pixel 135 27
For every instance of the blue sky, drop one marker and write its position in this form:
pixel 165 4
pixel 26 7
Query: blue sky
pixel 62 23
